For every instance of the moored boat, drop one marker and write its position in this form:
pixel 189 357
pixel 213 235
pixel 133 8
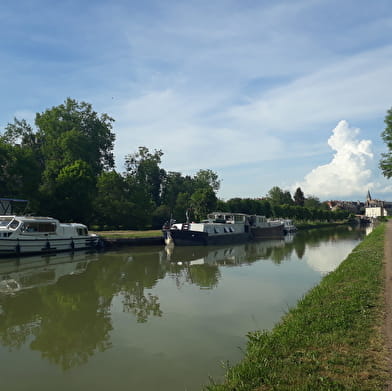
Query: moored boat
pixel 261 228
pixel 222 228
pixel 288 225
pixel 23 235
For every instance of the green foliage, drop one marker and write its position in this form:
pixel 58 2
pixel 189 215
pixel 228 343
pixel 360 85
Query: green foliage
pixel 207 178
pixel 73 131
pixel 143 167
pixel 249 206
pixel 111 206
pixel 277 196
pixel 299 198
pixel 203 200
pixel 386 158
pixel 20 161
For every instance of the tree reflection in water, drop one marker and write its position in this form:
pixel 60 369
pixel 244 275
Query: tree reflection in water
pixel 141 306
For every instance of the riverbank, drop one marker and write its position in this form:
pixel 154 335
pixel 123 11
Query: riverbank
pixel 333 338
pixel 130 238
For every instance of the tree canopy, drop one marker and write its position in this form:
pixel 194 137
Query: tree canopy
pixel 386 158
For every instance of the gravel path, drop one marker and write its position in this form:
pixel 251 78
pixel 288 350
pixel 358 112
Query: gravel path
pixel 388 295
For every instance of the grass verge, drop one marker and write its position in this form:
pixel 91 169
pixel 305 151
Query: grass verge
pixel 129 234
pixel 332 339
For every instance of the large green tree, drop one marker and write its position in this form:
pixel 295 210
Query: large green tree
pixel 56 166
pixel 76 145
pixel 277 196
pixel 386 158
pixel 299 198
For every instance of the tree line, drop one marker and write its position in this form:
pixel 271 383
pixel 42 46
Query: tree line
pixel 65 167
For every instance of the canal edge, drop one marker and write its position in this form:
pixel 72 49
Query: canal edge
pixel 388 300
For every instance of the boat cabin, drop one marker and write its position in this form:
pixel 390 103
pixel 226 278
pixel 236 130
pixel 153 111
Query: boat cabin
pixel 226 218
pixel 27 225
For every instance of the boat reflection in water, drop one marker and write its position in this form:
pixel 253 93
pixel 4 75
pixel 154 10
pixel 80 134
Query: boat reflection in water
pixel 219 255
pixel 35 271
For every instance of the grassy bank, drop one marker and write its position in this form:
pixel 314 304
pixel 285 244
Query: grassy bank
pixel 129 234
pixel 332 340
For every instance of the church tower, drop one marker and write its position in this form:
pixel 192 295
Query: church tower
pixel 368 198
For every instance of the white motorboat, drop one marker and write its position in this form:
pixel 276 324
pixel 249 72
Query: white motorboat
pixel 22 235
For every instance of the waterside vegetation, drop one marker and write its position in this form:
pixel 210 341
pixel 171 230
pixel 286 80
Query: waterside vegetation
pixel 332 340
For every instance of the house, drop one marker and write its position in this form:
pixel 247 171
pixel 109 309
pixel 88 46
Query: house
pixel 377 208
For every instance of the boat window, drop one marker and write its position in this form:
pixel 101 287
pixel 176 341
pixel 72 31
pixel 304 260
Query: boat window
pixel 82 231
pixel 14 224
pixel 34 226
pixel 4 221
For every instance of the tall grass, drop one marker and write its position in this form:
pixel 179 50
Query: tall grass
pixel 332 340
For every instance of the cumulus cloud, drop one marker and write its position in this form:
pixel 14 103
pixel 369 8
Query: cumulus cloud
pixel 348 173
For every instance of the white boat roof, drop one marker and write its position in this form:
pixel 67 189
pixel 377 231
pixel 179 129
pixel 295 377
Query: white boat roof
pixel 228 213
pixel 30 218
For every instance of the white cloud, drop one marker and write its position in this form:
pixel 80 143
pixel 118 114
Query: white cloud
pixel 348 173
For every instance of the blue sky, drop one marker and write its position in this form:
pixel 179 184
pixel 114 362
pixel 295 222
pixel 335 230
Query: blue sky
pixel 264 93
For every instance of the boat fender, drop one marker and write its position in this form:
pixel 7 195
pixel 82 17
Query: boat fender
pixel 72 244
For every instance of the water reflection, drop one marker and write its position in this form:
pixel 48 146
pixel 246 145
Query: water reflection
pixel 63 306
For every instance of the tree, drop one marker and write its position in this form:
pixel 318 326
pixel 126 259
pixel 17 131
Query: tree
pixel 74 183
pixel 20 161
pixel 203 200
pixel 112 206
pixel 299 198
pixel 205 178
pixel 143 166
pixel 386 158
pixel 312 202
pixel 73 131
pixel 277 196
pixel 76 145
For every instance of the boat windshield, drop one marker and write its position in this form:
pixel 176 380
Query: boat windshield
pixel 4 221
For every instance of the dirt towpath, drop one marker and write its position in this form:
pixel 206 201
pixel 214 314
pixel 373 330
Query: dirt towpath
pixel 388 296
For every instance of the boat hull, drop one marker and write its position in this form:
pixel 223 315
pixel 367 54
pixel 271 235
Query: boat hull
pixel 26 246
pixel 196 238
pixel 271 232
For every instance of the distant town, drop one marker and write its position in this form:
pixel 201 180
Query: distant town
pixel 371 208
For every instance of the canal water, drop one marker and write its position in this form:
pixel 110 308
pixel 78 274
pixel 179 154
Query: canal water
pixel 151 318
